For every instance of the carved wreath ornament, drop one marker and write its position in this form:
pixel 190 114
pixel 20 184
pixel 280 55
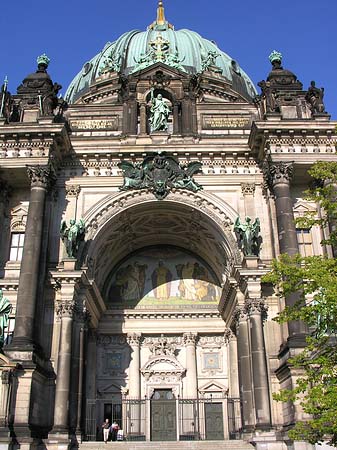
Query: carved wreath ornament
pixel 160 173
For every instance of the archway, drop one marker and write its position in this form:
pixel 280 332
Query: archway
pixel 160 266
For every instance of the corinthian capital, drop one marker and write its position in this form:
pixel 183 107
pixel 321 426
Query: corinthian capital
pixel 190 338
pixel 275 173
pixel 41 176
pixel 256 306
pixel 65 308
pixel 133 339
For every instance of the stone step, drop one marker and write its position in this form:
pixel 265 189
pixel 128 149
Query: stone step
pixel 164 445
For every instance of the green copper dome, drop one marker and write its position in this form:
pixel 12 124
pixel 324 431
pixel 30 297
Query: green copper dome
pixel 184 50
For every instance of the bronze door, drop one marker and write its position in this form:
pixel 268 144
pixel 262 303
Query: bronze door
pixel 163 416
pixel 214 421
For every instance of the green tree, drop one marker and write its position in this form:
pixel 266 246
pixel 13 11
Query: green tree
pixel 315 279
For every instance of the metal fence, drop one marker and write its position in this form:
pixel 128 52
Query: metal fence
pixel 178 419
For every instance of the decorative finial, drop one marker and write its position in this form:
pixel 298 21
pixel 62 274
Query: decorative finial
pixel 160 13
pixel 43 59
pixel 160 23
pixel 275 56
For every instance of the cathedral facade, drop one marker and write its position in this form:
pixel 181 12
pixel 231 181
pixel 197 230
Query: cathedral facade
pixel 139 215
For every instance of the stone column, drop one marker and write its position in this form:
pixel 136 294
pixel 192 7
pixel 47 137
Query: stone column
pixel 278 177
pixel 143 119
pixel 176 127
pixel 257 312
pixel 65 310
pixel 3 207
pixel 190 340
pixel 30 271
pixel 245 369
pixel 134 380
pixel 233 368
pixel 134 369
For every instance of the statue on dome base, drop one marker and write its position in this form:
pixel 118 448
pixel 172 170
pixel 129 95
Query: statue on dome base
pixel 314 97
pixel 159 113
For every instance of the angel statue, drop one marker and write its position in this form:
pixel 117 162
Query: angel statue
pixel 5 310
pixel 133 175
pixel 248 236
pixel 185 179
pixel 72 236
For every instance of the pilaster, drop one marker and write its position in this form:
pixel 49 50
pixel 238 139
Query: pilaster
pixel 190 340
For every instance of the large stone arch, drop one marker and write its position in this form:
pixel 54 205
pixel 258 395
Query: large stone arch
pixel 121 223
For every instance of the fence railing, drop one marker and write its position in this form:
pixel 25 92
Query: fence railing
pixel 177 419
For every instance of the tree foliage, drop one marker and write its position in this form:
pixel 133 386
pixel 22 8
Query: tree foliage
pixel 315 279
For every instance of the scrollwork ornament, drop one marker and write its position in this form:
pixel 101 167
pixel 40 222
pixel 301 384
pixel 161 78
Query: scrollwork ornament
pixel 41 176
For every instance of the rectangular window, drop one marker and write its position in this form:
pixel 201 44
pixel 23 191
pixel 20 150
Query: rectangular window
pixel 17 242
pixel 304 242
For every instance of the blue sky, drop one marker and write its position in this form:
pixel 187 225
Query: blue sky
pixel 73 31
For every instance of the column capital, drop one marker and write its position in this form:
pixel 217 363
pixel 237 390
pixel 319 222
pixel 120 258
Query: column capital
pixel 248 188
pixel 239 315
pixel 256 306
pixel 41 176
pixel 133 339
pixel 73 191
pixel 65 308
pixel 229 335
pixel 277 172
pixel 190 338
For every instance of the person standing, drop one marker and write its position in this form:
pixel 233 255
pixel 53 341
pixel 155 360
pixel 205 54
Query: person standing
pixel 106 430
pixel 114 431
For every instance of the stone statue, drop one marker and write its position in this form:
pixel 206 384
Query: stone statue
pixel 50 100
pixel 5 101
pixel 5 310
pixel 269 95
pixel 314 97
pixel 208 62
pixel 248 236
pixel 159 113
pixel 72 236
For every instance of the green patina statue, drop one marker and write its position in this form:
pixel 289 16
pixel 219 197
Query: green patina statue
pixel 248 236
pixel 160 173
pixel 159 113
pixel 72 236
pixel 5 310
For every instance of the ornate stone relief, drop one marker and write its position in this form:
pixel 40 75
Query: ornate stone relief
pixel 19 218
